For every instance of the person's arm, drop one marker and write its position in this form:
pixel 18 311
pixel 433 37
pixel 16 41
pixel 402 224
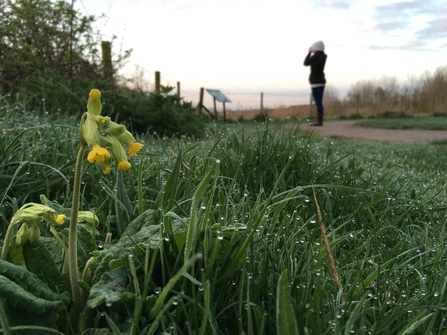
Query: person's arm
pixel 308 59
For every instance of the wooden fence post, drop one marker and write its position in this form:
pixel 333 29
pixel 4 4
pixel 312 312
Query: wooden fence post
pixel 157 81
pixel 224 111
pixel 261 107
pixel 200 101
pixel 106 48
pixel 215 109
pixel 178 88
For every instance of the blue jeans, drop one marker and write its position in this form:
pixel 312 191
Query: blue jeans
pixel 317 93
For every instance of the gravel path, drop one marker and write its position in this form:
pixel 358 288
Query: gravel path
pixel 348 130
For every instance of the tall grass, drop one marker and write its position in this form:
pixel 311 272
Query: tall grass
pixel 234 230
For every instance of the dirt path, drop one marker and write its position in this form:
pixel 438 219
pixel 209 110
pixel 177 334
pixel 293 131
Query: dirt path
pixel 348 130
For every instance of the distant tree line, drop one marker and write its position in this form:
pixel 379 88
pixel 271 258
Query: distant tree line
pixel 50 57
pixel 426 94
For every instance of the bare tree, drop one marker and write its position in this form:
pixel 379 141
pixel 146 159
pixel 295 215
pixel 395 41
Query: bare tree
pixel 331 99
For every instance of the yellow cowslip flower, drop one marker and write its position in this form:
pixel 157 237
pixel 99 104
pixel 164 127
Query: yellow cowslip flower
pixel 101 135
pixel 105 166
pixel 60 219
pixel 118 152
pixel 94 102
pixel 124 165
pixel 120 131
pixel 94 94
pixel 34 213
pixel 134 148
pixel 97 154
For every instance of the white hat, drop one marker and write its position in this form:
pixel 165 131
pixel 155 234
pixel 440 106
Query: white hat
pixel 317 46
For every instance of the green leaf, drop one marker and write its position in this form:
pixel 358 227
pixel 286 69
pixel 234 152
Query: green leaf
pixel 86 242
pixel 285 316
pixel 146 218
pixel 39 261
pixel 27 281
pixel 16 295
pixel 163 295
pixel 111 288
pixel 165 199
pixel 193 221
pixel 123 206
pixel 102 267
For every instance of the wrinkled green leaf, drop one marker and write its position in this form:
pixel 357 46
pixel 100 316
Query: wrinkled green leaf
pixel 17 296
pixel 27 280
pixel 102 267
pixel 86 242
pixel 39 261
pixel 146 218
pixel 111 288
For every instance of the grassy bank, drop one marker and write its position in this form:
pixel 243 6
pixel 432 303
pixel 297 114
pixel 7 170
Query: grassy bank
pixel 221 236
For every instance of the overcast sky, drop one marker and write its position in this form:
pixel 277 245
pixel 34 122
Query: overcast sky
pixel 244 47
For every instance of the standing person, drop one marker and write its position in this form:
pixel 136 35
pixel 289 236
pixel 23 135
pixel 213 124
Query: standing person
pixel 316 58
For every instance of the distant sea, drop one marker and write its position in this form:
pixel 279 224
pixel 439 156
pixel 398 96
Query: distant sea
pixel 251 100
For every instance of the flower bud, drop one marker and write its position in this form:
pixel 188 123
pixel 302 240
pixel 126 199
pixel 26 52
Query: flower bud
pixel 90 131
pixel 94 102
pixel 22 235
pixel 34 233
pixel 115 129
pixel 119 154
pixel 88 217
pixel 132 146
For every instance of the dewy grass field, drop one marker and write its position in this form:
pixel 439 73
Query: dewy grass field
pixel 221 235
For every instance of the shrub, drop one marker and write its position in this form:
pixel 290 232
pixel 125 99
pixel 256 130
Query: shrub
pixel 162 114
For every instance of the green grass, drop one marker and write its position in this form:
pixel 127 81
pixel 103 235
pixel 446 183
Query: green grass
pixel 423 122
pixel 224 237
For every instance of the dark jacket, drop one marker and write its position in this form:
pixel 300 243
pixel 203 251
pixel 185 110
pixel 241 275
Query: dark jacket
pixel 316 62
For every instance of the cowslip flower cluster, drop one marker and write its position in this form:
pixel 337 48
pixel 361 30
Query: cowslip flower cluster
pixel 105 137
pixel 30 216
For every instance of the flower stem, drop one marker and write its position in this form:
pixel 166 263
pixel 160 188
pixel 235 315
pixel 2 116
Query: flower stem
pixel 73 238
pixel 7 241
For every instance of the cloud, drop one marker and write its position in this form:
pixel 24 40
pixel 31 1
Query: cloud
pixel 421 22
pixel 409 46
pixel 434 29
pixel 332 4
pixel 390 25
pixel 403 9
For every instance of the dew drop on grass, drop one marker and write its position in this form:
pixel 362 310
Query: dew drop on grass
pixel 219 235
